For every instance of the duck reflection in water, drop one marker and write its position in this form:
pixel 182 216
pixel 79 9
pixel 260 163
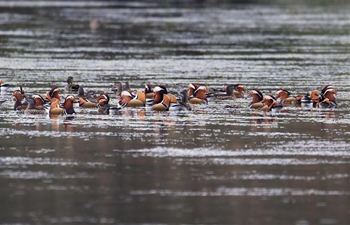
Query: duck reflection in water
pixel 264 119
pixel 162 127
pixel 138 113
pixel 67 122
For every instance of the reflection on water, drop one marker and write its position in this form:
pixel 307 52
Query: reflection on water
pixel 221 163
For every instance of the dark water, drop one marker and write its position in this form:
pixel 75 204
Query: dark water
pixel 217 164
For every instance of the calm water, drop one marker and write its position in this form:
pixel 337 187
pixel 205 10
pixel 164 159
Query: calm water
pixel 217 164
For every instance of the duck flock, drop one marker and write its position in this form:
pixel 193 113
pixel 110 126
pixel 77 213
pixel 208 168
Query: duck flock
pixel 158 98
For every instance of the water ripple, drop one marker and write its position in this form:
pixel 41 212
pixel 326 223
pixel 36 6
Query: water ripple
pixel 244 192
pixel 291 149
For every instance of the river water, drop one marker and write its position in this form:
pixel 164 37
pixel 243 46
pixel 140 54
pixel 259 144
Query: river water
pixel 220 163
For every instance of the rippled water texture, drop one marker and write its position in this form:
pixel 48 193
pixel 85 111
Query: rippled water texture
pixel 221 163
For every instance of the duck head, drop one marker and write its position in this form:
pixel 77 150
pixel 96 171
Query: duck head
pixel 201 93
pixel 192 87
pixel 282 94
pixel 103 99
pixel 70 80
pixel 159 92
pixel 117 88
pixel 325 88
pixel 256 95
pixel 53 93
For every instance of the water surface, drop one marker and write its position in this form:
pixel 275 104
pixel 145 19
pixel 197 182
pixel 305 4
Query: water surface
pixel 221 163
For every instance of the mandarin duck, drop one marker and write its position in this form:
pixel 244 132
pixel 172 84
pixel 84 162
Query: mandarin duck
pixel 257 98
pixel 285 96
pixel 3 86
pixel 271 104
pixel 236 90
pixel 329 92
pixel 103 103
pixel 197 94
pixel 32 108
pixel 56 109
pixel 40 101
pixel 161 100
pixel 128 99
pixel 18 97
pixel 83 103
pixel 53 93
pixel 181 104
pixel 229 91
pixel 327 99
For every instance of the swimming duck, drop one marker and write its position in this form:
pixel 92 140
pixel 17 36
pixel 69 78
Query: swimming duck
pixel 53 93
pixel 71 86
pixel 181 104
pixel 175 104
pixel 236 90
pixel 285 96
pixel 309 100
pixel 161 101
pixel 56 109
pixel 305 101
pixel 325 88
pixel 128 99
pixel 103 99
pixel 303 98
pixel 329 93
pixel 32 108
pixel 327 98
pixel 89 96
pixel 83 103
pixel 271 104
pixel 3 86
pixel 229 91
pixel 103 103
pixel 40 101
pixel 257 98
pixel 313 98
pixel 18 97
pixel 197 94
pixel 86 100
